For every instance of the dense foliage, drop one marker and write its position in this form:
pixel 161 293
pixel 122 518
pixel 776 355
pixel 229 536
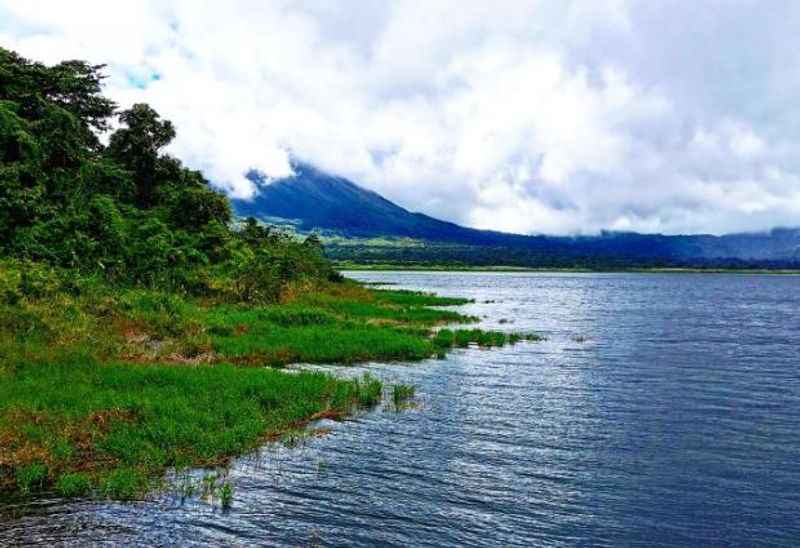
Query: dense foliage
pixel 126 210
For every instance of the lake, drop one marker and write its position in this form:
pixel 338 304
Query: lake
pixel 662 410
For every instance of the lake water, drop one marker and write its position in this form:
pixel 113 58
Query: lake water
pixel 662 410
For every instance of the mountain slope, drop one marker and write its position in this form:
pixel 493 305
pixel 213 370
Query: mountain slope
pixel 314 200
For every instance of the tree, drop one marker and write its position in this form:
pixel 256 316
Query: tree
pixel 253 233
pixel 74 86
pixel 136 147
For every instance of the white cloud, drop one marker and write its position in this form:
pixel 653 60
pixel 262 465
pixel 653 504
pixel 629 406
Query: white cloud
pixel 527 116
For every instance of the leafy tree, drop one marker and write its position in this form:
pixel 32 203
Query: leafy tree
pixel 136 147
pixel 74 86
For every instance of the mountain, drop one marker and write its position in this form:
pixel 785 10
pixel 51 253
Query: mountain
pixel 315 200
pixel 312 200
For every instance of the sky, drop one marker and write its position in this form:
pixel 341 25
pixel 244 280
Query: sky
pixel 557 117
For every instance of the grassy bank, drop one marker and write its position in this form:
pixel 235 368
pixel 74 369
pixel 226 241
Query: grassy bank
pixel 79 425
pixel 103 388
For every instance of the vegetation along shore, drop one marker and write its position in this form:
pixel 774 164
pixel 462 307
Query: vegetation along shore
pixel 141 328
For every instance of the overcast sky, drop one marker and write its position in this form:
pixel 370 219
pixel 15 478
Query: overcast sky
pixel 530 116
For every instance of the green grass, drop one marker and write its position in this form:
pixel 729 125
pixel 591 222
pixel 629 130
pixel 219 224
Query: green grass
pixel 463 338
pixel 124 424
pixel 103 389
pixel 348 326
pixel 31 476
pixel 413 298
pixel 74 484
pixel 266 343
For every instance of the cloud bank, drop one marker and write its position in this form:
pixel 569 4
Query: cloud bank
pixel 533 116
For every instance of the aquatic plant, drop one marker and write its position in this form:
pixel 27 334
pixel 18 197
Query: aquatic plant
pixel 208 485
pixel 292 439
pixel 401 394
pixel 314 539
pixel 226 495
pixel 186 486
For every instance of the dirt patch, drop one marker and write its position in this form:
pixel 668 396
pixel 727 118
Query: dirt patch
pixel 203 357
pixel 381 322
pixel 274 358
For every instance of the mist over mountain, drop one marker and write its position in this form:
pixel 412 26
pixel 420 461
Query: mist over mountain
pixel 312 200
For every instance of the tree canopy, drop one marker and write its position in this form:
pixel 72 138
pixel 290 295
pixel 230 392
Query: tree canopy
pixel 126 209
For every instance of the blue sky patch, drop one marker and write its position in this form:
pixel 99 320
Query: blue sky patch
pixel 141 80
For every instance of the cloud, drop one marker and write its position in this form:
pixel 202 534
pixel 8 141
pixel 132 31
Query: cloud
pixel 527 116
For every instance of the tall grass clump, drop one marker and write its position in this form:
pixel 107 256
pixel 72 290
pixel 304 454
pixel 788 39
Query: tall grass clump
pixel 226 495
pixel 402 394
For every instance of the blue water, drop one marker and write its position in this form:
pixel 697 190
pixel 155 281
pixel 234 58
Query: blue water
pixel 662 410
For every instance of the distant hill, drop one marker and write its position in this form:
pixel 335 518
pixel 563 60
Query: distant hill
pixel 313 200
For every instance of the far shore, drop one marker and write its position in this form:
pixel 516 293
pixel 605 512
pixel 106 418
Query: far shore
pixel 502 268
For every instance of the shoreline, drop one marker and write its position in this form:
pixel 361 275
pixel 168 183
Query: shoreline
pixel 179 383
pixel 512 269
